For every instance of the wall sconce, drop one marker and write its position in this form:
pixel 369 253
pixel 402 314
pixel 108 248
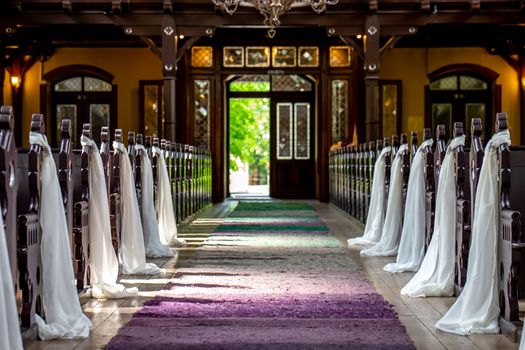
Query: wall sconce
pixel 16 81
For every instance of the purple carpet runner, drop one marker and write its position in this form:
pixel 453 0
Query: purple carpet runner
pixel 256 285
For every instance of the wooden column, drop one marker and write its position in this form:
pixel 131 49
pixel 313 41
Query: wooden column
pixel 372 61
pixel 169 72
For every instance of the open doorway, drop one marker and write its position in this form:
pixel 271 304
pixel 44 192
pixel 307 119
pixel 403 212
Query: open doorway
pixel 249 136
pixel 271 136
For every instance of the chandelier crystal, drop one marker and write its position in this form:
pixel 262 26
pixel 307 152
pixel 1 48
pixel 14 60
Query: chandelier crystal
pixel 272 10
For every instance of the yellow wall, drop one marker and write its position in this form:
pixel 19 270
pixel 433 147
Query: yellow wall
pixel 127 65
pixel 413 65
pixel 7 89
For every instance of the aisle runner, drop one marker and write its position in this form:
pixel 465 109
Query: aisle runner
pixel 270 277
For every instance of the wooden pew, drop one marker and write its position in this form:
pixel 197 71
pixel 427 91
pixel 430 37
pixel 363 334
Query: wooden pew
pixel 440 151
pixel 388 163
pixel 511 234
pixel 149 144
pixel 114 196
pixel 8 185
pixel 64 161
pixel 476 159
pixel 353 181
pixel 81 214
pixel 413 145
pixel 189 181
pixel 371 163
pixel 137 169
pixel 105 154
pixel 433 161
pixel 30 232
pixel 360 183
pixel 463 217
pixel 405 167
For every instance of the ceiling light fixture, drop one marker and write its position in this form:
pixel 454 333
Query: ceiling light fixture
pixel 272 10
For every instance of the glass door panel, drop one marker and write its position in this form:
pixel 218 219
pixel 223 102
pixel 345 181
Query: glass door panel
pixel 442 114
pixel 284 131
pixel 67 111
pixel 99 116
pixel 302 131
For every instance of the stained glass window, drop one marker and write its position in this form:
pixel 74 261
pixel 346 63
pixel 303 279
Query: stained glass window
pixel 340 56
pixel 284 131
pixel 233 56
pixel 290 83
pixel 283 56
pixel 308 56
pixel 339 110
pixel 257 56
pixel 94 84
pixel 201 113
pixel 302 131
pixel 70 84
pixel 202 56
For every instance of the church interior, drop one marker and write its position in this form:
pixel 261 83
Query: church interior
pixel 262 174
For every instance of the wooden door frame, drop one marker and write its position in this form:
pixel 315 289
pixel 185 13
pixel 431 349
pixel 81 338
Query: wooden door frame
pixel 69 71
pixel 477 71
pixel 293 97
pixel 228 78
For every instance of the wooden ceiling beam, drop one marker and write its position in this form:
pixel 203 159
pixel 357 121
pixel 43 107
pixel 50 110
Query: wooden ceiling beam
pixel 335 20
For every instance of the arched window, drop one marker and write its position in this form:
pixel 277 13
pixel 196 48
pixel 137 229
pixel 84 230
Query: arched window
pixel 83 94
pixel 458 93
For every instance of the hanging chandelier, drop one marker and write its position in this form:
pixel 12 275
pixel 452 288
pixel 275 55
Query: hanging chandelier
pixel 272 10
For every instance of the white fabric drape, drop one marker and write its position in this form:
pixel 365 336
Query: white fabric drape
pixel 376 209
pixel 103 261
pixel 131 253
pixel 152 241
pixel 164 204
pixel 412 244
pixel 436 274
pixel 389 242
pixel 64 317
pixel 477 308
pixel 10 337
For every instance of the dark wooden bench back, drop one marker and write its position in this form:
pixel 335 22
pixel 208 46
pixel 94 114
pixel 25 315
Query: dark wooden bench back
pixel 388 162
pixel 511 240
pixel 8 185
pixel 105 154
pixel 30 233
pixel 64 160
pixel 463 218
pixel 430 189
pixel 81 214
pixel 137 169
pixel 476 159
pixel 413 145
pixel 439 153
pixel 405 167
pixel 114 197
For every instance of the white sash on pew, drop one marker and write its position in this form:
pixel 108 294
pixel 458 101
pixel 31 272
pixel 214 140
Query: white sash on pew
pixel 477 308
pixel 131 253
pixel 376 211
pixel 64 317
pixel 412 245
pixel 389 242
pixel 152 241
pixel 436 274
pixel 103 261
pixel 10 337
pixel 164 204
